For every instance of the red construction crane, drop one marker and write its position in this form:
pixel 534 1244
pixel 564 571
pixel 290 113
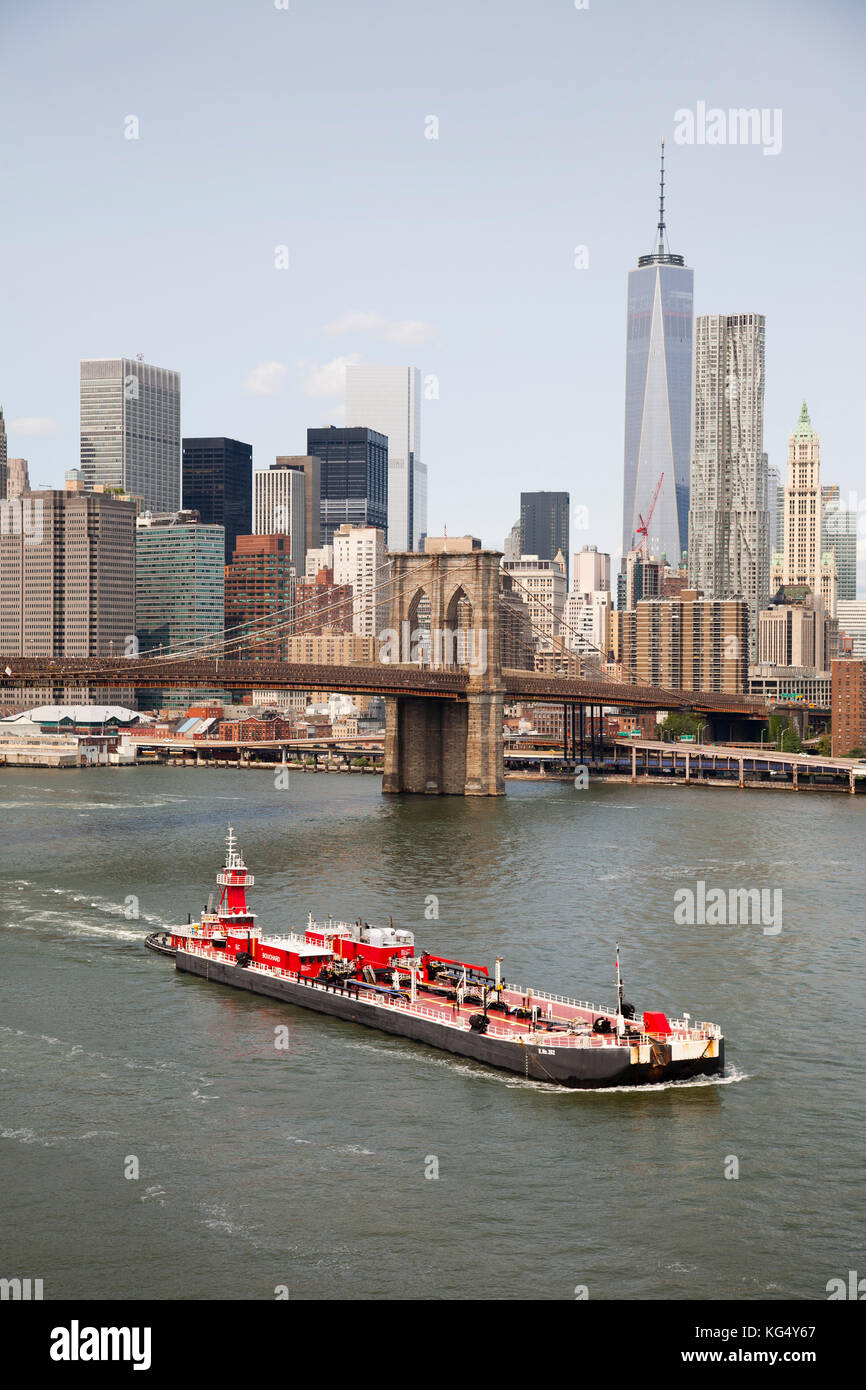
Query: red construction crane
pixel 644 525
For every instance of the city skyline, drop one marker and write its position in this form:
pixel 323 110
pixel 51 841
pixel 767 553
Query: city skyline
pixel 432 287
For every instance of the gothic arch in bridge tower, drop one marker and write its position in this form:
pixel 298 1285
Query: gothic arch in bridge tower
pixel 455 644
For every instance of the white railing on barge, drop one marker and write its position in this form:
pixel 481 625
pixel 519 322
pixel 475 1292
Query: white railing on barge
pixel 559 999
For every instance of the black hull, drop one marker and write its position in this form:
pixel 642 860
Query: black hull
pixel 585 1068
pixel 157 942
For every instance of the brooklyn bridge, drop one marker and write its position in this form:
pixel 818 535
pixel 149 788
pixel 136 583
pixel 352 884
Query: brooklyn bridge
pixel 444 724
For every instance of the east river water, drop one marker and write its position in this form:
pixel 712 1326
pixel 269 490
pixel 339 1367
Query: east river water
pixel 307 1167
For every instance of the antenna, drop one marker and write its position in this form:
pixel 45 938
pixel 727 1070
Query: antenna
pixel 661 226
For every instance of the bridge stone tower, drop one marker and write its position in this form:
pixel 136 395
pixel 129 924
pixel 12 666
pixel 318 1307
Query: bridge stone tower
pixel 444 614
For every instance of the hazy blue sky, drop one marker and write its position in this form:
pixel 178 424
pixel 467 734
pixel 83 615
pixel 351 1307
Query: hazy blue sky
pixel 261 127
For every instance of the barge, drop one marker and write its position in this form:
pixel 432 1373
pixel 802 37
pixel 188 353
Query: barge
pixel 373 976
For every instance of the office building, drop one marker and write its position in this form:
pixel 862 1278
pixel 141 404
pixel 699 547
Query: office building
pixel 218 484
pixel 322 558
pixel 839 537
pixel 260 598
pixel 311 467
pixel 585 625
pixel 542 586
pixel 798 631
pixel 3 447
pixel 388 400
pixel 516 638
pixel 280 507
pixel 179 583
pixel 130 430
pixel 67 574
pixel 591 570
pixel 658 398
pixel 686 643
pixel 354 478
pixel 511 546
pixel 773 683
pixel 729 520
pixel 544 525
pixel 359 563
pixel 851 615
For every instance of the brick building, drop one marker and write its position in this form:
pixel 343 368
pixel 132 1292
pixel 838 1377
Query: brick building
pixel 322 605
pixel 848 706
pixel 254 730
pixel 260 598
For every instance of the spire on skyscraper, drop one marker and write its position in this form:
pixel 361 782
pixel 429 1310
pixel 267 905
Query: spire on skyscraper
pixel 661 256
pixel 661 226
pixel 804 425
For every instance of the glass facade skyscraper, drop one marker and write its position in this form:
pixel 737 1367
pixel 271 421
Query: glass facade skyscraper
pixel 388 399
pixel 544 525
pixel 354 477
pixel 218 484
pixel 658 398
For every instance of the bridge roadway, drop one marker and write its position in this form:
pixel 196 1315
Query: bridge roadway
pixel 689 762
pixel 162 673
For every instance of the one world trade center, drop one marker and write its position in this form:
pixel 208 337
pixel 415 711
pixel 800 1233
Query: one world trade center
pixel 658 399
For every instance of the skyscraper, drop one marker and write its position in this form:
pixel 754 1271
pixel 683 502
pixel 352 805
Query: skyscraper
pixel 311 467
pixel 2 455
pixel 388 399
pixel 359 562
pixel 542 586
pixel 803 560
pixel 260 597
pixel 658 397
pixel 179 583
pixel 279 508
pixel 68 566
pixel 776 511
pixel 130 430
pixel 839 530
pixel 729 524
pixel 354 478
pixel 17 478
pixel 218 484
pixel 591 570
pixel 544 525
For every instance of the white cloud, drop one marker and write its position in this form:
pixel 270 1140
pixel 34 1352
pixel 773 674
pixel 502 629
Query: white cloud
pixel 33 424
pixel 266 379
pixel 330 378
pixel 410 331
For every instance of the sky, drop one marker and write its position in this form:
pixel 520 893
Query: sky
pixel 429 172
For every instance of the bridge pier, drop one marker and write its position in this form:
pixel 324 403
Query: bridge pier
pixel 445 747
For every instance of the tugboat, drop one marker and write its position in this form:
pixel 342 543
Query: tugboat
pixel 372 975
